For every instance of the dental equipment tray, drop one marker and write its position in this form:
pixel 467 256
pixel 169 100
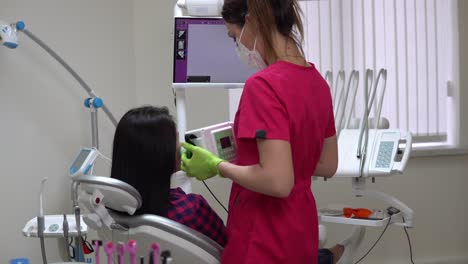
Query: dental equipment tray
pixel 358 221
pixel 54 226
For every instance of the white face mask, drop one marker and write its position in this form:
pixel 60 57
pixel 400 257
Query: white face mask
pixel 250 57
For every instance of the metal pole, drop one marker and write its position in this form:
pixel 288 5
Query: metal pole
pixel 94 127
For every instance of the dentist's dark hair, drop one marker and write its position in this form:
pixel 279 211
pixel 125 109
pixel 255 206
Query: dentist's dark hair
pixel 269 16
pixel 144 155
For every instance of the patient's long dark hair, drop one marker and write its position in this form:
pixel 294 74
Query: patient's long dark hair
pixel 144 155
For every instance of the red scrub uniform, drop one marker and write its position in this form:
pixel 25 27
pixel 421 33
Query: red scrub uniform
pixel 284 102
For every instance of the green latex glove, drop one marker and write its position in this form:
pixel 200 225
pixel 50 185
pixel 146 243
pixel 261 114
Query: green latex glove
pixel 199 163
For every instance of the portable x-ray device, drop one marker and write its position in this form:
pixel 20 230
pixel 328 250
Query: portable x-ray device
pixel 219 139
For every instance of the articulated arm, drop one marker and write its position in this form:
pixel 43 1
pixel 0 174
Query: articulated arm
pixel 359 190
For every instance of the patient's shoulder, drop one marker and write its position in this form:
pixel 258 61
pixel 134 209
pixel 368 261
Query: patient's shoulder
pixel 185 205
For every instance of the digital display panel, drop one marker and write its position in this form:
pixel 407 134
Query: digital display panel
pixel 81 158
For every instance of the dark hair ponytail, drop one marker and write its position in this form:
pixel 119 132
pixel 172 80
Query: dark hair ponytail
pixel 144 155
pixel 282 15
pixel 234 12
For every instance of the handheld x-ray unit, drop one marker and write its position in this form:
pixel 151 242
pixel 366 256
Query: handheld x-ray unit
pixel 219 139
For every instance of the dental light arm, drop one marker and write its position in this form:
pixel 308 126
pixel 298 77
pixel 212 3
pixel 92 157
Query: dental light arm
pixel 9 38
pixel 67 67
pixel 359 189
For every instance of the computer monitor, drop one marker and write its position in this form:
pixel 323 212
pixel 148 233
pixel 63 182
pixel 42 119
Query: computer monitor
pixel 203 53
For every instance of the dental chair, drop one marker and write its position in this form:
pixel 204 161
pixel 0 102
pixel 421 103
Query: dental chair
pixel 111 204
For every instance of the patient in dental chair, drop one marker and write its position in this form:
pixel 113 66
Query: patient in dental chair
pixel 145 155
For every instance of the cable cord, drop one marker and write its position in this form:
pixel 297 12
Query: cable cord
pixel 43 251
pixel 107 159
pixel 214 196
pixel 409 242
pixel 383 232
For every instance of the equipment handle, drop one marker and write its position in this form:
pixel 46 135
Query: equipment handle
pixel 400 166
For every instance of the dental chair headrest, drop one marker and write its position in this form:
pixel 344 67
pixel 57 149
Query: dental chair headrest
pixel 117 195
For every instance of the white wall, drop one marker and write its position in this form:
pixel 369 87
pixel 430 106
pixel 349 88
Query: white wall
pixel 434 187
pixel 43 121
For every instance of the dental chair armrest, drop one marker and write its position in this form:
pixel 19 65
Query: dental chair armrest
pixel 172 227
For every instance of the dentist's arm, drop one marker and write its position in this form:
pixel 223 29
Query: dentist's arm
pixel 274 175
pixel 328 162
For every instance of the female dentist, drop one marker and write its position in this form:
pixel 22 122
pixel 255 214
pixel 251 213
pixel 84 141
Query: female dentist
pixel 285 133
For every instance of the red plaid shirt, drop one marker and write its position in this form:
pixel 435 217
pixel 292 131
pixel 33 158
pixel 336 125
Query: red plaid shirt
pixel 194 211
